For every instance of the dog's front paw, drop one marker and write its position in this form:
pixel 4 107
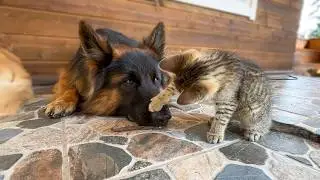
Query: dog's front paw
pixel 59 108
pixel 214 138
pixel 252 136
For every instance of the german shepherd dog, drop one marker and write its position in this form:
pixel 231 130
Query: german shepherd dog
pixel 112 74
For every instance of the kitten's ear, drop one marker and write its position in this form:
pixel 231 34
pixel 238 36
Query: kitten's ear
pixel 94 47
pixel 156 40
pixel 172 64
pixel 192 95
pixel 175 63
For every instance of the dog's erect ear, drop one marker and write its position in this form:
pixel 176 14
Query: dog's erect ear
pixel 192 95
pixel 175 63
pixel 94 46
pixel 156 40
pixel 98 53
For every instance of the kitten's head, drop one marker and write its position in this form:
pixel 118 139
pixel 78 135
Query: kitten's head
pixel 192 76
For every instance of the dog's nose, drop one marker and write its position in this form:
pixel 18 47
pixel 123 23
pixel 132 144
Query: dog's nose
pixel 166 117
pixel 162 117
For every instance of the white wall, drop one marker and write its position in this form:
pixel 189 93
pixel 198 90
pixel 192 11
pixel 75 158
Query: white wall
pixel 308 23
pixel 241 7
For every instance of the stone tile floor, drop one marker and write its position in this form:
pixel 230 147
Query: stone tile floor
pixel 84 147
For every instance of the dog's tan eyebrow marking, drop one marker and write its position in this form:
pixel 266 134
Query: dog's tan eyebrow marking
pixel 117 78
pixel 120 50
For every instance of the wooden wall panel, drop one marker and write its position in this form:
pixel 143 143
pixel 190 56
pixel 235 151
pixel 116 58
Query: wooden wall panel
pixel 44 33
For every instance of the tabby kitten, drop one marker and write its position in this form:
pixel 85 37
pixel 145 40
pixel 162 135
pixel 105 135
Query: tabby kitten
pixel 237 88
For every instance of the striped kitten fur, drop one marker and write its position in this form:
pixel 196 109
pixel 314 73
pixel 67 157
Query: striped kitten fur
pixel 237 88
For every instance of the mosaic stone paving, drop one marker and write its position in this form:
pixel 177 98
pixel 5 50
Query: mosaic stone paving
pixel 84 147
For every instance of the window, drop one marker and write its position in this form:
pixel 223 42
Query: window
pixel 241 7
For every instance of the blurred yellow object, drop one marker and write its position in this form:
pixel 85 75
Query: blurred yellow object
pixel 15 83
pixel 313 72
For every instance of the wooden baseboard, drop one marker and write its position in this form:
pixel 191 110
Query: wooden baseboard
pixel 44 80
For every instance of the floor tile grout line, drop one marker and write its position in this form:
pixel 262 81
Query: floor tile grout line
pixel 65 162
pixel 284 110
pixel 8 173
pixel 265 168
pixel 307 155
pixel 169 172
pixel 314 165
pixel 277 108
pixel 163 163
pixel 292 160
pixel 284 154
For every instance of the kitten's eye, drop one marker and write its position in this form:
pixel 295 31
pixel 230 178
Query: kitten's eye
pixel 155 79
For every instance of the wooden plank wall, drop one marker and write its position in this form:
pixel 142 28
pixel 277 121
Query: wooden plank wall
pixel 44 32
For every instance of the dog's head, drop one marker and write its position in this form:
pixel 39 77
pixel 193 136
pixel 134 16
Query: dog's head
pixel 122 79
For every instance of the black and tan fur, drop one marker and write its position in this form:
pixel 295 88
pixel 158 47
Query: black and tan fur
pixel 112 74
pixel 238 89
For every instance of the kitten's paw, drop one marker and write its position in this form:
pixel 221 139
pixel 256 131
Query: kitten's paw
pixel 158 102
pixel 155 105
pixel 252 136
pixel 59 108
pixel 214 138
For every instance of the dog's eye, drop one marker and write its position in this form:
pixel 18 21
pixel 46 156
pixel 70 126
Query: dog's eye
pixel 155 78
pixel 129 82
